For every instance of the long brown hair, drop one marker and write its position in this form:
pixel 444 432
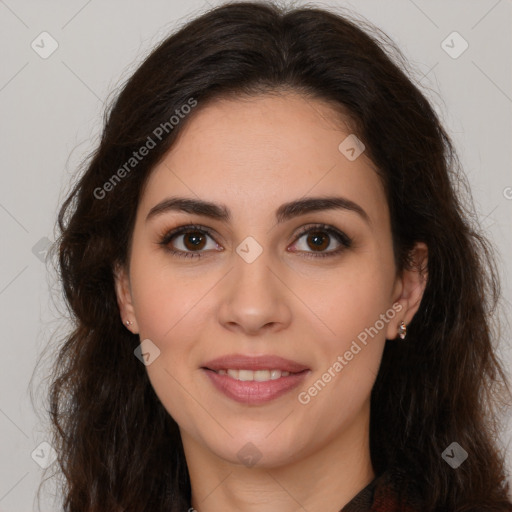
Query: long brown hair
pixel 118 448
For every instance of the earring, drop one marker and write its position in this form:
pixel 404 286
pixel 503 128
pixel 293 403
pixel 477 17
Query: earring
pixel 402 330
pixel 128 322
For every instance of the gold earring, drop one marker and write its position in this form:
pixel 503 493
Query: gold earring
pixel 402 330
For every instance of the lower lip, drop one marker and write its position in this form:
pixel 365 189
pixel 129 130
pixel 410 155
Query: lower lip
pixel 254 392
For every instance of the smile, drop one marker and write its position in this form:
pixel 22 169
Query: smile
pixel 254 387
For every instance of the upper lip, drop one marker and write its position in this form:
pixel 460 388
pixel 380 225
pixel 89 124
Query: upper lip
pixel 243 362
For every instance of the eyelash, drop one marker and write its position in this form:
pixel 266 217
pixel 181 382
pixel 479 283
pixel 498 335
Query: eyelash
pixel 343 239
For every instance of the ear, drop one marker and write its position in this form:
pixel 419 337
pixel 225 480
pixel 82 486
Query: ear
pixel 124 297
pixel 409 288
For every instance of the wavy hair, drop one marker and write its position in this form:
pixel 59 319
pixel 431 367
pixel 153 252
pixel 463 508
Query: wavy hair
pixel 118 448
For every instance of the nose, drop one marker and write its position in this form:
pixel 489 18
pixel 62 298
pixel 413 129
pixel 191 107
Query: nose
pixel 255 299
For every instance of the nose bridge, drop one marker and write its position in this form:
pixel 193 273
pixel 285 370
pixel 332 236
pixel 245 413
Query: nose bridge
pixel 255 297
pixel 253 266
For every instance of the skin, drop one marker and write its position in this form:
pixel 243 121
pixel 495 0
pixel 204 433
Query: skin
pixel 252 156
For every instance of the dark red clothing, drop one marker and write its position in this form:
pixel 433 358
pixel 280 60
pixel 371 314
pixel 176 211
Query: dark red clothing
pixel 392 491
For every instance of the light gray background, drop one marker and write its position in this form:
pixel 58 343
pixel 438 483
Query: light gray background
pixel 51 115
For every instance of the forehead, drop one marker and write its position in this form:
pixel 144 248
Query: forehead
pixel 259 152
pixel 263 129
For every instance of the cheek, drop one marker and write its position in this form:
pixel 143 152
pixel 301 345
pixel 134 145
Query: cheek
pixel 349 356
pixel 168 308
pixel 356 309
pixel 352 300
pixel 164 299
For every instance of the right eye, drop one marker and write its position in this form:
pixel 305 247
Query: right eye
pixel 193 238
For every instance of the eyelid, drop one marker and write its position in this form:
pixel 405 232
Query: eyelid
pixel 168 234
pixel 326 228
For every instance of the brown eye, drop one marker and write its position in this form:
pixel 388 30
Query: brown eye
pixel 188 241
pixel 191 241
pixel 319 238
pixel 194 240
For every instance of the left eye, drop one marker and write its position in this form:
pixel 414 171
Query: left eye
pixel 194 237
pixel 317 235
pixel 318 239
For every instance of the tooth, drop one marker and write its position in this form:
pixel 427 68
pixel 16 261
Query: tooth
pixel 250 375
pixel 262 375
pixel 233 373
pixel 245 375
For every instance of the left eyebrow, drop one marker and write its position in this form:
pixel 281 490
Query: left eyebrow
pixel 285 212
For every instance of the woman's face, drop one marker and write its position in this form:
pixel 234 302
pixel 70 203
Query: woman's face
pixel 312 284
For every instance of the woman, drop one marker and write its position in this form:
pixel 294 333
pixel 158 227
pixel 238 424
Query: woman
pixel 280 302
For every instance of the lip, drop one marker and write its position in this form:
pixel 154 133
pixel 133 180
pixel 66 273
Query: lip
pixel 243 362
pixel 254 392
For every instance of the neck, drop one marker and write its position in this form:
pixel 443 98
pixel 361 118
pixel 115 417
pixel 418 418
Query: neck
pixel 326 479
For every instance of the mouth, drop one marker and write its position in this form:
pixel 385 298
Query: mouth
pixel 254 387
pixel 254 380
